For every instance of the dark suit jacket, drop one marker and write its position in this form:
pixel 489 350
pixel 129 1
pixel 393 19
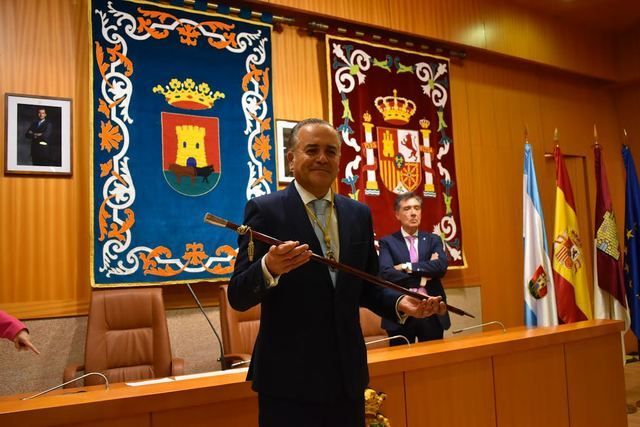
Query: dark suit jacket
pixel 43 128
pixel 393 251
pixel 310 345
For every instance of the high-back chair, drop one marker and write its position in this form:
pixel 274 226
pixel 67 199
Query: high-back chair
pixel 371 325
pixel 239 330
pixel 127 338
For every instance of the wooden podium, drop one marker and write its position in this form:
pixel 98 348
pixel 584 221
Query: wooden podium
pixel 570 375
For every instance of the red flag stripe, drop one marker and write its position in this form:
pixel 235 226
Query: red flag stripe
pixel 610 275
pixel 562 178
pixel 568 311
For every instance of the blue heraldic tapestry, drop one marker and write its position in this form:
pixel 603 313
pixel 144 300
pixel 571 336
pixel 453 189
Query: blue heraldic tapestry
pixel 393 110
pixel 182 118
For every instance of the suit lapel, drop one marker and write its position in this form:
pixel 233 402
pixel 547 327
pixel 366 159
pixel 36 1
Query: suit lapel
pixel 344 235
pixel 422 246
pixel 293 205
pixel 402 246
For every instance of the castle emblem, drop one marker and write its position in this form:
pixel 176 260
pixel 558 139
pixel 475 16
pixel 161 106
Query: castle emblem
pixel 190 144
pixel 607 236
pixel 539 283
pixel 190 153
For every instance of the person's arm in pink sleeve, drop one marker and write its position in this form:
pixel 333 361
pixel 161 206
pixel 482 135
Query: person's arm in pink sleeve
pixel 9 326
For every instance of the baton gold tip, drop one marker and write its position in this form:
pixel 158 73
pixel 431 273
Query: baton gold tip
pixel 215 220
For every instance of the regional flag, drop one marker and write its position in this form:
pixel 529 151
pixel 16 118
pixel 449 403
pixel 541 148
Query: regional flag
pixel 609 297
pixel 632 245
pixel 539 294
pixel 569 269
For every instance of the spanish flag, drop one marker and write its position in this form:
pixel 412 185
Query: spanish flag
pixel 569 268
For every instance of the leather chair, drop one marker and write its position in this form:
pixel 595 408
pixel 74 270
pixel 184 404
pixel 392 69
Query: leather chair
pixel 127 338
pixel 371 325
pixel 240 329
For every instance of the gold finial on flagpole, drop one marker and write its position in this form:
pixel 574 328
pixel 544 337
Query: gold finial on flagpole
pixel 556 138
pixel 595 135
pixel 625 139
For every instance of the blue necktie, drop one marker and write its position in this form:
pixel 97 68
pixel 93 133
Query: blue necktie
pixel 319 207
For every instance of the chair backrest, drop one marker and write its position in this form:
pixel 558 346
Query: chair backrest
pixel 127 335
pixel 239 329
pixel 371 325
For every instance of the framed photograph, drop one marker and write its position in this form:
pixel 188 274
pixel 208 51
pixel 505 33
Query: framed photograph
pixel 283 130
pixel 38 138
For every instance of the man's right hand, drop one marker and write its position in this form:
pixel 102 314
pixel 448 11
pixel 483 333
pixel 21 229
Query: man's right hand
pixel 286 257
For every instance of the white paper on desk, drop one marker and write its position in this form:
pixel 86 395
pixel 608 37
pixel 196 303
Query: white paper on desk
pixel 149 382
pixel 211 374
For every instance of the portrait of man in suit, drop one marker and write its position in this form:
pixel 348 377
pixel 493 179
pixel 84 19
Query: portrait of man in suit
pixel 415 260
pixel 309 363
pixel 41 130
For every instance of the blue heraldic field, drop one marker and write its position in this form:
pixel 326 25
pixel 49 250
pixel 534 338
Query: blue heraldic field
pixel 182 114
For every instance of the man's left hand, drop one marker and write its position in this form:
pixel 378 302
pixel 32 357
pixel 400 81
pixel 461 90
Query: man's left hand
pixel 422 308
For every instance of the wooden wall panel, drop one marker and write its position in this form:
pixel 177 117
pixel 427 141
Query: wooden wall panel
pixel 44 221
pixel 454 21
pixel 515 31
pixel 374 12
pixel 628 55
pixel 299 75
pixel 500 100
pixel 495 25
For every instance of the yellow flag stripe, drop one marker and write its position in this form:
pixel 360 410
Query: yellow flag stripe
pixel 566 222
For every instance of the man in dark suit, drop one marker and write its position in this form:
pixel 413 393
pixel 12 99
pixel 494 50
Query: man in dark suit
pixel 40 135
pixel 309 363
pixel 416 260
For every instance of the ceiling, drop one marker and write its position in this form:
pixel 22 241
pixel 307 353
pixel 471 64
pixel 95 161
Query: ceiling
pixel 613 16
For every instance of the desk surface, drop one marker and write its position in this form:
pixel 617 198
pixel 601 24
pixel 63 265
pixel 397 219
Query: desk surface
pixel 93 403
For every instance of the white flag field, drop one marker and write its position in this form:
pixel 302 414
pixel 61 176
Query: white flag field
pixel 539 296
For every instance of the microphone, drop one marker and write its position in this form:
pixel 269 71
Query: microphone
pixel 494 322
pixel 106 383
pixel 389 339
pixel 221 359
pixel 242 362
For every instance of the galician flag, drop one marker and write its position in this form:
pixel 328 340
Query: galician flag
pixel 609 296
pixel 569 269
pixel 632 244
pixel 539 294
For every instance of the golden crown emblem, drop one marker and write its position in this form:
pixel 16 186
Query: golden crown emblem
pixel 397 111
pixel 187 95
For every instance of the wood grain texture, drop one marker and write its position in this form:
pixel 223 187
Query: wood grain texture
pixel 453 395
pixel 374 12
pixel 595 374
pixel 44 221
pixel 447 382
pixel 394 406
pixel 531 388
pixel 453 21
pixel 519 32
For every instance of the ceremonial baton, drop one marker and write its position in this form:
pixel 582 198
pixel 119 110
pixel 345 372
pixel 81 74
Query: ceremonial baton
pixel 243 229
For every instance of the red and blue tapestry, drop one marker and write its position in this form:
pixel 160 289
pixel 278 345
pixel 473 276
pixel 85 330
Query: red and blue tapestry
pixel 182 114
pixel 393 110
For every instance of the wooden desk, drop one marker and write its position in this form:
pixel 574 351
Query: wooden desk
pixel 570 375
